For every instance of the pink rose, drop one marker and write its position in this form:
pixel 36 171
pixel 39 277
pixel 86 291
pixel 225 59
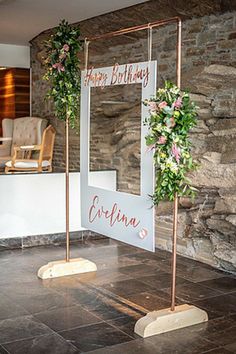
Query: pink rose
pixel 66 48
pixel 171 122
pixel 176 152
pixel 162 104
pixel 162 140
pixel 177 103
pixel 59 67
pixel 153 106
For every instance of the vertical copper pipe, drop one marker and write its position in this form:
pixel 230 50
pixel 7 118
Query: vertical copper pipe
pixel 149 43
pixel 86 53
pixel 175 216
pixel 67 193
pixel 174 246
pixel 178 49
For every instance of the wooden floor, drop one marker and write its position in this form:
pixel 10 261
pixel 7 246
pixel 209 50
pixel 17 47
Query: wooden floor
pixel 96 313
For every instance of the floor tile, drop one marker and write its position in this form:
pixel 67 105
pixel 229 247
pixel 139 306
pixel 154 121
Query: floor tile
pixel 64 284
pixel 231 347
pixel 190 292
pixel 102 277
pixel 223 284
pixel 20 328
pixel 2 350
pixel 17 276
pixel 161 280
pixel 48 344
pixel 177 342
pixel 49 253
pixel 9 309
pixel 107 308
pixel 39 303
pixel 149 301
pixel 138 346
pixel 128 287
pixel 25 289
pixel 197 273
pixel 217 351
pixel 100 302
pixel 95 336
pixel 225 335
pixel 138 269
pixel 66 318
pixel 126 324
pixel 116 262
pixel 218 306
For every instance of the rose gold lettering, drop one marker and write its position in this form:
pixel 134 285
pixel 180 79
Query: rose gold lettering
pixel 113 216
pixel 114 76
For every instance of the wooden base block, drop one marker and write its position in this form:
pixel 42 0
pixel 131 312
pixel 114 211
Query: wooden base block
pixel 62 268
pixel 165 320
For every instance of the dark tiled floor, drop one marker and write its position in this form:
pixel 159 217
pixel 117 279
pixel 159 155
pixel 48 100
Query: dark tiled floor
pixel 96 312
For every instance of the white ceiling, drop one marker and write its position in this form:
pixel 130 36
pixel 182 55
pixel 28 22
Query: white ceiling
pixel 21 20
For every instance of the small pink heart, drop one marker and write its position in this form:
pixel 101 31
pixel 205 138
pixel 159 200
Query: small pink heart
pixel 143 233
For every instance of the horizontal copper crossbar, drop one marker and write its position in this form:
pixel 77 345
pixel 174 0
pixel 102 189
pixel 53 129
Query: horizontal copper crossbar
pixel 134 29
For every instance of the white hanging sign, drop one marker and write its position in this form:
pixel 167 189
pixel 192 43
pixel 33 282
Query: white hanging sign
pixel 125 217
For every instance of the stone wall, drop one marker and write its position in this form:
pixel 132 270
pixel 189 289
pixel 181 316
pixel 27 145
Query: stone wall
pixel 207 226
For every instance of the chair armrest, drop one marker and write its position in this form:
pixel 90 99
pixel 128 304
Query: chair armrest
pixel 27 147
pixel 6 139
pixel 24 148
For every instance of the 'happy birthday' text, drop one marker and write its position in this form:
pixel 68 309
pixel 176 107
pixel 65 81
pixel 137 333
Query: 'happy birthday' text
pixel 119 75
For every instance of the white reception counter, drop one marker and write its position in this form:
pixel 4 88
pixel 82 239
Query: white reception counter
pixel 34 204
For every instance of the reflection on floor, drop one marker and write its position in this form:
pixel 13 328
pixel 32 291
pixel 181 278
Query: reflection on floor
pixel 96 313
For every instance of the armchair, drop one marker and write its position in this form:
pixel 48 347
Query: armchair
pixel 20 131
pixel 28 164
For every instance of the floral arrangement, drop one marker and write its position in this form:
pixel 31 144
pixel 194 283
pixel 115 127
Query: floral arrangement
pixel 172 115
pixel 62 70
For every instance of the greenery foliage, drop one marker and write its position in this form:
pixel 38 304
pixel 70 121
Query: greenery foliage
pixel 62 70
pixel 172 115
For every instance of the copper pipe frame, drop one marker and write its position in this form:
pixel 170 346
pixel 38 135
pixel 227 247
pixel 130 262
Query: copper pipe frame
pixel 176 199
pixel 149 26
pixel 67 192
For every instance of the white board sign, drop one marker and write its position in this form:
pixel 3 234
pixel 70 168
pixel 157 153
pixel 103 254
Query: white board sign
pixel 125 217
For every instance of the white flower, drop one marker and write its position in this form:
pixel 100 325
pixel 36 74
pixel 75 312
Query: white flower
pixel 172 165
pixel 167 129
pixel 161 91
pixel 174 90
pixel 158 128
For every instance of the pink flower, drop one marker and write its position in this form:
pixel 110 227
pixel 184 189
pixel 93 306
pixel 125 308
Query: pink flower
pixel 162 140
pixel 66 48
pixel 177 103
pixel 153 106
pixel 171 122
pixel 162 104
pixel 59 67
pixel 176 152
